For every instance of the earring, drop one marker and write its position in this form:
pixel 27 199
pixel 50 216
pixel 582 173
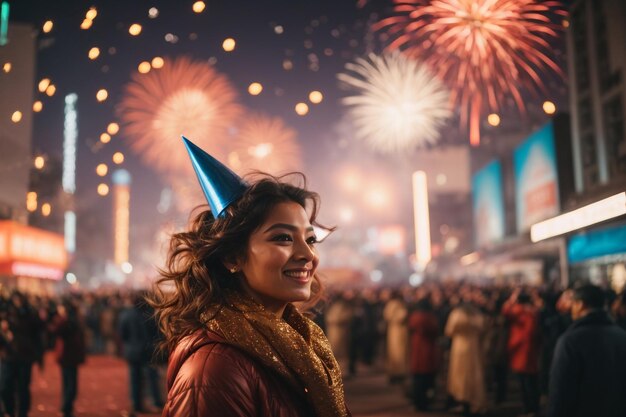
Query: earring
pixel 233 269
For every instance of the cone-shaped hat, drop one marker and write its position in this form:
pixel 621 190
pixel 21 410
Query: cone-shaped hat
pixel 221 186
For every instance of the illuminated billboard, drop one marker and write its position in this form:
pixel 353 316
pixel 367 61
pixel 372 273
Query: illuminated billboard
pixel 488 204
pixel 536 179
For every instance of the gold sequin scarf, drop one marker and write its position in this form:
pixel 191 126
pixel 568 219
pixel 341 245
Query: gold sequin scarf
pixel 293 346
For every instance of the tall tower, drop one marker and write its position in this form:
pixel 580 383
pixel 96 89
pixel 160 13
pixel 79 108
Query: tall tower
pixel 68 181
pixel 121 216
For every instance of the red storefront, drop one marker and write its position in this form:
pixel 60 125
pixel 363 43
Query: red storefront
pixel 31 260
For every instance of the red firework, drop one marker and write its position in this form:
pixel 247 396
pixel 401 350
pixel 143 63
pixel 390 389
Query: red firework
pixel 183 98
pixel 485 50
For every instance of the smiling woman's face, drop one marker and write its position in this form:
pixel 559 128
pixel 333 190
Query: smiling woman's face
pixel 281 258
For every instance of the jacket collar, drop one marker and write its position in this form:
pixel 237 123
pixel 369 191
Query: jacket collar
pixel 594 317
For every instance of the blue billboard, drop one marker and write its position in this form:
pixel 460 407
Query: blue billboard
pixel 488 204
pixel 536 179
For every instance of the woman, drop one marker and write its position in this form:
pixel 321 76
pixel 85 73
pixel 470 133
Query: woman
pixel 239 347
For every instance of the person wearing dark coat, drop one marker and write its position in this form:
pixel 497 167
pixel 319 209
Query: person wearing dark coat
pixel 69 350
pixel 24 346
pixel 588 375
pixel 138 342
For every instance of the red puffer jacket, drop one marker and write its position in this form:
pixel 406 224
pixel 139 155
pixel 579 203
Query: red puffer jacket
pixel 206 377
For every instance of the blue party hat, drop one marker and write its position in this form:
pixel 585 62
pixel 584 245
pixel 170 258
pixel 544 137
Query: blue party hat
pixel 221 186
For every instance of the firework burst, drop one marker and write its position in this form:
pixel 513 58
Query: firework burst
pixel 266 144
pixel 485 50
pixel 400 105
pixel 184 97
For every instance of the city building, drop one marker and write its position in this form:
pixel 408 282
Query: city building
pixel 593 219
pixel 31 259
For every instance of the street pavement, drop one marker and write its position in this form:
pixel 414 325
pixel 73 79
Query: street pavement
pixel 103 392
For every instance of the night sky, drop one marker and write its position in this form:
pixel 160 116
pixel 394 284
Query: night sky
pixel 329 33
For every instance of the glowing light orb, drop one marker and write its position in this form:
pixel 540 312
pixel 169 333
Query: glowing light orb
pixel 16 117
pixel 47 26
pixel 485 50
pixel 113 128
pixel 91 13
pixel 184 98
pixel 229 44
pixel 102 170
pixel 46 209
pixel 103 189
pixel 315 97
pixel 102 95
pixel 135 29
pixel 118 158
pixel 549 107
pixel 144 67
pixel 255 89
pixel 157 62
pixel 493 119
pixel 105 138
pixel 50 90
pixel 153 13
pixel 6 67
pixel 266 144
pixel 86 24
pixel 302 109
pixel 43 84
pixel 198 7
pixel 40 162
pixel 400 105
pixel 94 53
pixel 37 106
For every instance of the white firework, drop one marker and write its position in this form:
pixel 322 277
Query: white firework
pixel 400 105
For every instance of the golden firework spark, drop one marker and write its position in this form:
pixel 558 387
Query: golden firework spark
pixel 266 144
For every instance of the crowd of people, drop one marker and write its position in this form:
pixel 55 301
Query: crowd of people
pixel 476 339
pixel 73 326
pixel 456 341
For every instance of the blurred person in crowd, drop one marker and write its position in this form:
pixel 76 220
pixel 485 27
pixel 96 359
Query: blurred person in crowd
pixel 521 311
pixel 338 321
pixel 619 310
pixel 396 315
pixel 138 343
pixel 588 375
pixel 370 326
pixel 424 353
pixel 23 331
pixel 69 349
pixel 496 337
pixel 555 319
pixel 93 320
pixel 466 372
pixel 358 333
pixel 383 296
pixel 240 347
pixel 108 324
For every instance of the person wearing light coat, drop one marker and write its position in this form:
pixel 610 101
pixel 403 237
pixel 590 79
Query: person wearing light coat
pixel 466 373
pixel 396 315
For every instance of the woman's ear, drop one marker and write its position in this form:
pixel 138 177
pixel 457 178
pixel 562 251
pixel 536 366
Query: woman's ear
pixel 231 265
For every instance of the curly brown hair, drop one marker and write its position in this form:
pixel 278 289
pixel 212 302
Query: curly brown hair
pixel 194 277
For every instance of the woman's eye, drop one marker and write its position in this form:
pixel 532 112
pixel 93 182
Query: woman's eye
pixel 312 240
pixel 282 238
